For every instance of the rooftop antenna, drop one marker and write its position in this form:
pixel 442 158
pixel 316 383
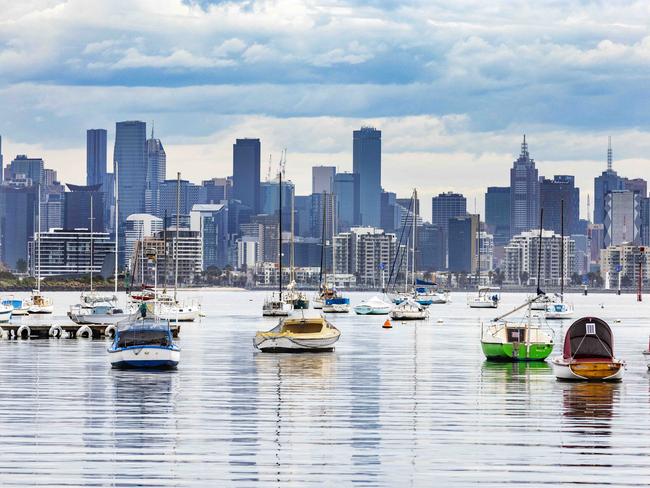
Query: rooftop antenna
pixel 524 147
pixel 588 209
pixel 609 154
pixel 152 129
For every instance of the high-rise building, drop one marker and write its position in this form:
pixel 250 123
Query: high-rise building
pixel 622 218
pixel 645 221
pixel 596 235
pixel 607 182
pixel 322 179
pixel 346 189
pixel 190 257
pixel 390 214
pixel 77 204
pixel 211 222
pixel 372 252
pixel 131 158
pixel 303 206
pixel 447 206
pixel 431 248
pixel 269 200
pixel 636 185
pixel 246 172
pixel 461 241
pixel 217 189
pixel 2 164
pixel 29 169
pixel 189 194
pixel 524 193
pixel 18 213
pixel 552 193
pixel 497 213
pixel 95 156
pixel 156 173
pixel 366 162
pixel 136 228
pixel 623 261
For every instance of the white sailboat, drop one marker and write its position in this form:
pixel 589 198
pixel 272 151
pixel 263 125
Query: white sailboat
pixel 560 310
pixel 40 304
pixel 373 306
pixel 486 297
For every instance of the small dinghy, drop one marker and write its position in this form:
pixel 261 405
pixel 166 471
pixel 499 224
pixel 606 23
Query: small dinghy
pixel 5 313
pixel 144 343
pixel 373 306
pixel 588 353
pixel 302 334
pixel 337 304
pixel 558 311
pixel 409 310
pixel 19 306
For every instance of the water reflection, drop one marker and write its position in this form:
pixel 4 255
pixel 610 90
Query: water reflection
pixel 589 409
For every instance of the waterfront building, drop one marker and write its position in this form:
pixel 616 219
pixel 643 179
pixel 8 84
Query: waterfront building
pixel 624 262
pixel 524 192
pixel 137 227
pixel 497 213
pixel 131 158
pixel 622 218
pixel 461 242
pixel 67 252
pixel 582 254
pixel 211 222
pixel 77 204
pixel 607 182
pixel 521 258
pixel 156 173
pixel 366 162
pixel 247 252
pixel 304 220
pixel 347 192
pixel 18 211
pixel 246 172
pixel 486 243
pixel 96 156
pixel 322 179
pixel 552 193
pixel 596 235
pixel 372 251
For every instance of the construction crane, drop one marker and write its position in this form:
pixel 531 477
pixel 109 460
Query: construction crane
pixel 268 173
pixel 283 162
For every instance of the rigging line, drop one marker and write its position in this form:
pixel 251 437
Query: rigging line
pixel 399 244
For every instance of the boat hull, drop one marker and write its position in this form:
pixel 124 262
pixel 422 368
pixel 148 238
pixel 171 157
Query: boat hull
pixel 184 316
pixel 41 309
pixel 362 310
pixel 147 357
pixel 338 308
pixel 478 304
pixel 559 315
pixel 5 315
pixel 97 319
pixel 287 344
pixel 275 313
pixel 406 315
pixel 586 370
pixel 512 351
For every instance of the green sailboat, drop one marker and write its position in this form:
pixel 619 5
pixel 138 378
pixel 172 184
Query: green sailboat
pixel 502 340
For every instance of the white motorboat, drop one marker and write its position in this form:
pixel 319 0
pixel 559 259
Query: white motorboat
pixel 170 308
pixel 373 306
pixel 19 306
pixel 588 353
pixel 144 343
pixel 40 304
pixel 5 313
pixel 275 306
pixel 427 296
pixel 409 310
pixel 558 311
pixel 97 309
pixel 487 298
pixel 298 334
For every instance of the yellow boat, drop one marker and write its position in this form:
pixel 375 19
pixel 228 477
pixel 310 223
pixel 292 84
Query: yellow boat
pixel 297 335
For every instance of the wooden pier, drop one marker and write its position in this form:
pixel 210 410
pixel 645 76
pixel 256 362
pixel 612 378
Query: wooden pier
pixel 63 331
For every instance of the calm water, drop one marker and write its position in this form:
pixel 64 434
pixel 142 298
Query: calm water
pixel 412 406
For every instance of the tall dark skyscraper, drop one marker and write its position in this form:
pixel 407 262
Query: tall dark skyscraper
pixel 366 162
pixel 2 165
pixel 497 213
pixel 95 156
pixel 246 172
pixel 461 243
pixel 346 191
pixel 76 214
pixel 156 173
pixel 607 182
pixel 446 206
pixel 524 193
pixel 551 194
pixel 30 168
pixel 131 157
pixel 17 222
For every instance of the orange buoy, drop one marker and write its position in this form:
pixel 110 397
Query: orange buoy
pixel 387 325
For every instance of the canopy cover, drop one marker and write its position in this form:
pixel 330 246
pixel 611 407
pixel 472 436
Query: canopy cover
pixel 589 337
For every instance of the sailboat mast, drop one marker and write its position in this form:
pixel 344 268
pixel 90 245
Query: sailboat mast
pixel 562 251
pixel 91 242
pixel 116 193
pixel 539 252
pixel 478 243
pixel 333 244
pixel 413 224
pixel 38 252
pixel 178 223
pixel 293 279
pixel 280 232
pixel 322 248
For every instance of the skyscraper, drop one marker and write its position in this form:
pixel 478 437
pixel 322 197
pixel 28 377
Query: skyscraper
pixel 346 190
pixel 2 166
pixel 366 162
pixel 446 206
pixel 322 179
pixel 497 213
pixel 246 172
pixel 607 182
pixel 156 173
pixel 551 194
pixel 131 158
pixel 30 168
pixel 18 211
pixel 77 203
pixel 461 242
pixel 622 218
pixel 524 192
pixel 95 157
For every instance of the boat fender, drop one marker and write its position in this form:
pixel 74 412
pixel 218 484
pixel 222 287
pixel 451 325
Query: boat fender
pixel 56 331
pixel 109 331
pixel 84 332
pixel 23 332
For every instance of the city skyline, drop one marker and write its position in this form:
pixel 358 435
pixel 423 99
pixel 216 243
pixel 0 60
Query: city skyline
pixel 448 85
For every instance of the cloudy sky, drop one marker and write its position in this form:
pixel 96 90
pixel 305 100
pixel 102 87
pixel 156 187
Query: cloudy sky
pixel 452 85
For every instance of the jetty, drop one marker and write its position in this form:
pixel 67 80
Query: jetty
pixel 67 330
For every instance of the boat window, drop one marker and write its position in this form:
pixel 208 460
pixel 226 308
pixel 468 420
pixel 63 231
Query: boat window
pixel 143 338
pixel 591 329
pixel 516 334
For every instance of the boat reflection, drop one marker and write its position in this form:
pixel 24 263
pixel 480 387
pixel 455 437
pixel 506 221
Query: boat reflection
pixel 589 408
pixel 500 371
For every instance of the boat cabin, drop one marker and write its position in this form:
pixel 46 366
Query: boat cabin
pixel 589 338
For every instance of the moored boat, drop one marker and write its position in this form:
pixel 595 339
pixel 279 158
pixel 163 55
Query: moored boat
pixel 558 311
pixel 336 305
pixel 588 353
pixel 97 309
pixel 298 335
pixel 275 306
pixel 409 309
pixel 487 298
pixel 18 305
pixel 143 343
pixel 40 304
pixel 5 313
pixel 373 306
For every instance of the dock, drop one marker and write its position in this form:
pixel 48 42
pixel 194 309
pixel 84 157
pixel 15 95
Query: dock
pixel 66 330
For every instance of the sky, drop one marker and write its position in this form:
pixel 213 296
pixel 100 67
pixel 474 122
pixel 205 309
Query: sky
pixel 452 85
